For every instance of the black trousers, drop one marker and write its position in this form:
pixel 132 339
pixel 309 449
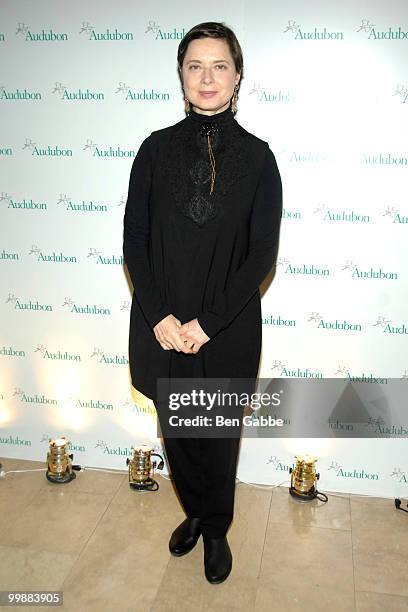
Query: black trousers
pixel 203 469
pixel 204 472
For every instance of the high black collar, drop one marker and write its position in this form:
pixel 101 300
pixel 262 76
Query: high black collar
pixel 226 116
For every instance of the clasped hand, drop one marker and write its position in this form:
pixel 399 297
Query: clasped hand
pixel 186 338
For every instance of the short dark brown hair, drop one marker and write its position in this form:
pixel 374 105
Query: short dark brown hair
pixel 212 29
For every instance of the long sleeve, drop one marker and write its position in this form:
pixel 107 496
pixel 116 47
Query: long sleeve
pixel 136 237
pixel 263 248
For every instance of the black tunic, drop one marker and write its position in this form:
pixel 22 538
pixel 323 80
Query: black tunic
pixel 192 253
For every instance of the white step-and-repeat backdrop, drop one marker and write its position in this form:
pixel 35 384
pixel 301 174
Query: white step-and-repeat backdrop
pixel 81 85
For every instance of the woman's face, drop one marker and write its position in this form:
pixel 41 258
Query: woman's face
pixel 209 75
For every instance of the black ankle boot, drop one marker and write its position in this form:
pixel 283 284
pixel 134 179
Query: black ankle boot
pixel 217 559
pixel 185 537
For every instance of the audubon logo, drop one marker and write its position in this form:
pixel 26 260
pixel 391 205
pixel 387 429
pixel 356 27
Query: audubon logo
pixel 342 215
pixel 30 305
pixel 6 151
pixel 49 151
pixel 43 36
pixel 372 34
pixel 368 378
pixel 8 256
pixel 364 378
pixel 315 34
pixel 111 260
pixel 34 399
pixel 283 370
pixel 291 214
pixel 11 352
pixel 108 450
pixel 276 96
pixel 143 408
pixel 360 474
pixel 371 273
pixel 19 94
pixel 94 404
pixel 87 309
pixel 108 359
pixel 378 426
pixel 14 440
pixel 97 151
pixel 122 451
pixel 302 269
pixel 313 157
pixel 21 204
pixel 76 95
pixel 278 321
pixel 158 33
pixel 399 475
pixel 388 327
pixel 337 425
pixel 72 206
pixel 336 324
pixel 402 92
pixel 91 33
pixel 384 159
pixel 278 464
pixel 135 95
pixel 51 257
pixel 393 213
pixel 56 356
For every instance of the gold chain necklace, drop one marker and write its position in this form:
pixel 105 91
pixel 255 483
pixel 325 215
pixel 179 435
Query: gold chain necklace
pixel 208 129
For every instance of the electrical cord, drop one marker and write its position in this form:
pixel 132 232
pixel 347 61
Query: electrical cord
pixel 77 468
pixel 266 487
pixel 150 486
pixel 3 472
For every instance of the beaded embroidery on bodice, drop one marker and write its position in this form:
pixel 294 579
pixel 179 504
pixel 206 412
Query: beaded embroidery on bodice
pixel 188 163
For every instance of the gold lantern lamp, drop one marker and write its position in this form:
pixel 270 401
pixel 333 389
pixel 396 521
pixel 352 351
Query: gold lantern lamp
pixel 59 462
pixel 141 468
pixel 304 478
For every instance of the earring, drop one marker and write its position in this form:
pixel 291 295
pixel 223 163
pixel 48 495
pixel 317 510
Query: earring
pixel 234 106
pixel 186 105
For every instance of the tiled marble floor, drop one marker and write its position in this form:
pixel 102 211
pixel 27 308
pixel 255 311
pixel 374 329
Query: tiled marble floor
pixel 106 547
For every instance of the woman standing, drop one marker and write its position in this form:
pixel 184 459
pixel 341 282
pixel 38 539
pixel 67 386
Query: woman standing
pixel 201 232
